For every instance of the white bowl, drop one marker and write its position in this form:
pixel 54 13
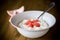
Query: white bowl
pixel 15 20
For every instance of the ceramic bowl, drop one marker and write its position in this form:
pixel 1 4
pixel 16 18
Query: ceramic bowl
pixel 49 18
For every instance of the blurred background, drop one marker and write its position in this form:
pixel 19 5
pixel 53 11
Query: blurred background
pixel 7 32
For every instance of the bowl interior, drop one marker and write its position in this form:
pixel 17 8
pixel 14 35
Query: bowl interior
pixel 49 18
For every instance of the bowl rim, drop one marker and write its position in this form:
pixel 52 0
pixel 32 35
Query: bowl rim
pixel 32 30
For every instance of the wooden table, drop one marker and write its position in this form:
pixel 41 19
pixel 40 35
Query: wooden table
pixel 8 32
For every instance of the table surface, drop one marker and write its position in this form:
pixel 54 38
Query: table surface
pixel 8 32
